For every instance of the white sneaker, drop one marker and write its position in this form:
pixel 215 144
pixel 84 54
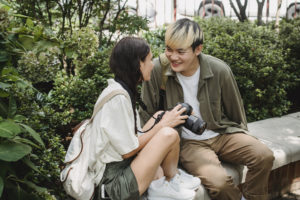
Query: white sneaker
pixel 162 190
pixel 186 180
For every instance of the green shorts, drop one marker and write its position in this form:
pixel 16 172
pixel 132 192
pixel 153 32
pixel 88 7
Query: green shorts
pixel 119 182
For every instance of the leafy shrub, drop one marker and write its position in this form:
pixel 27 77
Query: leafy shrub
pixel 97 67
pixel 16 138
pixel 258 63
pixel 72 100
pixel 35 106
pixel 290 40
pixel 156 39
pixel 80 46
pixel 23 112
pixel 40 67
pixel 4 21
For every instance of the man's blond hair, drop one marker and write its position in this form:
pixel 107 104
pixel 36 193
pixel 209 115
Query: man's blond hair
pixel 183 33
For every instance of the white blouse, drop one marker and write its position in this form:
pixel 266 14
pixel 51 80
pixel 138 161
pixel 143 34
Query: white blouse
pixel 114 126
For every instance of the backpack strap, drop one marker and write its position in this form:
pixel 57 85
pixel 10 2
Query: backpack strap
pixel 164 62
pixel 106 99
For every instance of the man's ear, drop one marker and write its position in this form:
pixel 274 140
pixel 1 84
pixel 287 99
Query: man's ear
pixel 198 49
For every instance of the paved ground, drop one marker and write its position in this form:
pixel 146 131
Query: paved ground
pixel 290 196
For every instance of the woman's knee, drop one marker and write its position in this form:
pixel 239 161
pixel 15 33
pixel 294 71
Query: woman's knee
pixel 169 134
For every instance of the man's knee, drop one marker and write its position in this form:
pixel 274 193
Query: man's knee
pixel 264 158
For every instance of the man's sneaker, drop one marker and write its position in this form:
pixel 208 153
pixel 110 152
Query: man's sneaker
pixel 186 180
pixel 162 190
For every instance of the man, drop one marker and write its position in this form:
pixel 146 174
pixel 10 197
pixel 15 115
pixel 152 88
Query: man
pixel 185 74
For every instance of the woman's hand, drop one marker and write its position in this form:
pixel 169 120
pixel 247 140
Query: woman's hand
pixel 173 117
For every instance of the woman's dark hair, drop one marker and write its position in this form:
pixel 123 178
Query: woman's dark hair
pixel 125 64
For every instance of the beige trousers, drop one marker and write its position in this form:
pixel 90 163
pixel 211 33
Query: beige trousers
pixel 202 159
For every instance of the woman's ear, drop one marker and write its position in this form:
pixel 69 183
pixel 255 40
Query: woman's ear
pixel 198 49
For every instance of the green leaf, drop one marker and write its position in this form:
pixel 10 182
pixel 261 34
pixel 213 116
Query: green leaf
pixel 13 151
pixel 19 118
pixel 4 56
pixel 18 139
pixel 9 129
pixel 4 6
pixel 4 85
pixel 27 41
pixel 69 52
pixel 12 77
pixel 34 134
pixel 1 186
pixel 3 109
pixel 3 94
pixel 29 23
pixel 8 70
pixel 23 84
pixel 12 107
pixel 35 187
pixel 19 15
pixel 30 164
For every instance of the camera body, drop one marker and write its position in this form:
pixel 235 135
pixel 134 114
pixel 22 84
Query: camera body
pixel 193 123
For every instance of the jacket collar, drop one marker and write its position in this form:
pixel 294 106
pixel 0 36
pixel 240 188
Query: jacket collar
pixel 205 69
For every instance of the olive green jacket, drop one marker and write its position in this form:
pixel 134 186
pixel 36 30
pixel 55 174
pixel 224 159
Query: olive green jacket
pixel 221 105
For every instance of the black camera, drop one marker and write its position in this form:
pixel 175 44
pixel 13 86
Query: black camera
pixel 193 123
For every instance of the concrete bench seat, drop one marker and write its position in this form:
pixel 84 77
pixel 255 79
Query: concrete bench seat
pixel 282 136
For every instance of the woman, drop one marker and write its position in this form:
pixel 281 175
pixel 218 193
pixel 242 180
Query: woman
pixel 132 161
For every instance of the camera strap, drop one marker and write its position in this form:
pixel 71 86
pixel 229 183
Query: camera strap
pixel 157 119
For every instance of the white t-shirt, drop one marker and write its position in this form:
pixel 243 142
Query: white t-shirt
pixel 114 125
pixel 189 85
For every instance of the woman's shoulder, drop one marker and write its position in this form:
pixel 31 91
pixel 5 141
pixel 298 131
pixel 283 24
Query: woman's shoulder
pixel 116 88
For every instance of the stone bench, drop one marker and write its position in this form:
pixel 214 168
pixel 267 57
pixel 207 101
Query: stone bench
pixel 282 136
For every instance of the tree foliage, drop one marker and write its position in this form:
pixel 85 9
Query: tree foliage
pixel 60 50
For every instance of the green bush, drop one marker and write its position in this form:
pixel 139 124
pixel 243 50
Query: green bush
pixel 97 67
pixel 290 39
pixel 156 39
pixel 254 54
pixel 72 100
pixel 19 139
pixel 73 97
pixel 40 67
pixel 80 46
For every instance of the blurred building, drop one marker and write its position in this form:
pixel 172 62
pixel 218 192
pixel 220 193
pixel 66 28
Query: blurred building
pixel 160 12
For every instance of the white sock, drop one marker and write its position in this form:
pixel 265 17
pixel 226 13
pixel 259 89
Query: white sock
pixel 243 198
